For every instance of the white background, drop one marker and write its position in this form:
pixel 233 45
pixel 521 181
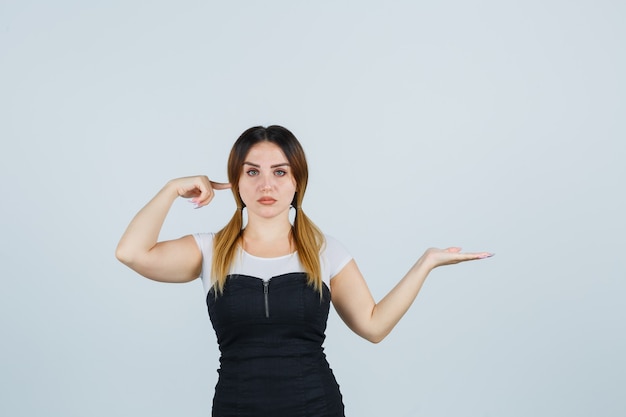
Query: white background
pixel 492 125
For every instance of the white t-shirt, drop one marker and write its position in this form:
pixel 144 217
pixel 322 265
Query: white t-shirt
pixel 333 257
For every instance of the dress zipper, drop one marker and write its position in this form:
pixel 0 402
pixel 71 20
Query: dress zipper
pixel 267 304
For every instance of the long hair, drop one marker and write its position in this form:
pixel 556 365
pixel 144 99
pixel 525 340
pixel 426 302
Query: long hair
pixel 308 239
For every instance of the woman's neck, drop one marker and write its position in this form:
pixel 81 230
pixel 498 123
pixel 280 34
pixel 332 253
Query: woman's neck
pixel 266 232
pixel 268 238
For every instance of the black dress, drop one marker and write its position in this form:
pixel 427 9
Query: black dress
pixel 270 335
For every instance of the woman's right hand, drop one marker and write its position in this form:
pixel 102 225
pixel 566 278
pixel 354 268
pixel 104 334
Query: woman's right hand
pixel 177 260
pixel 200 189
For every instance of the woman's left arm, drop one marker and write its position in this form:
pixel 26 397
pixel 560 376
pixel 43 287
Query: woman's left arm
pixel 373 321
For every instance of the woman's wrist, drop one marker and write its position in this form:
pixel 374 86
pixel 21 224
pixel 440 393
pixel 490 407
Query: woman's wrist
pixel 171 189
pixel 424 264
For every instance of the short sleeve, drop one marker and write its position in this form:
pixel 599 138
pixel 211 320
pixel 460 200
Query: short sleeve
pixel 205 243
pixel 334 257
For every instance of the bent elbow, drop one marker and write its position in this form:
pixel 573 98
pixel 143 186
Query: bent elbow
pixel 372 332
pixel 375 338
pixel 123 255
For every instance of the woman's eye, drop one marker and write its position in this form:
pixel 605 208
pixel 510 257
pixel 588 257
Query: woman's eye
pixel 252 172
pixel 280 173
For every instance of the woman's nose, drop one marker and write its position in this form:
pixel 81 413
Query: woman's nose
pixel 267 183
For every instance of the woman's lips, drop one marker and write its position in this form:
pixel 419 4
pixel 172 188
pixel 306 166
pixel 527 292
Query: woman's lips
pixel 266 200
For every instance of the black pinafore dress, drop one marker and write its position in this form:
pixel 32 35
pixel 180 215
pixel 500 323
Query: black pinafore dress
pixel 270 335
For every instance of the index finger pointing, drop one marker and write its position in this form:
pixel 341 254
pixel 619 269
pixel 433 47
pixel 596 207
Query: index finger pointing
pixel 220 185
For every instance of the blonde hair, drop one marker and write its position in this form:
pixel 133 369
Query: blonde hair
pixel 308 239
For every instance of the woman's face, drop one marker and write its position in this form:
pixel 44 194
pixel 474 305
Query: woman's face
pixel 266 184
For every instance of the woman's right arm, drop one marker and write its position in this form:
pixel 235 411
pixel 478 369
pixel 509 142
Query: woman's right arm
pixel 178 260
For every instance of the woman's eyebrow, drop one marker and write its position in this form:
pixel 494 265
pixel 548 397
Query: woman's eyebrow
pixel 272 166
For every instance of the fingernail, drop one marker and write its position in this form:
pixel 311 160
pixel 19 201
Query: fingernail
pixel 488 255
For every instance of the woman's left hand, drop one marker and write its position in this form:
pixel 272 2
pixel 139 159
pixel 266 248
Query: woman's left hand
pixel 434 257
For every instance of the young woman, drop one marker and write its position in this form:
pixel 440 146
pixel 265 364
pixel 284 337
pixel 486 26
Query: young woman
pixel 269 283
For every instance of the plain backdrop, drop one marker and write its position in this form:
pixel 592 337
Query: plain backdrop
pixel 490 125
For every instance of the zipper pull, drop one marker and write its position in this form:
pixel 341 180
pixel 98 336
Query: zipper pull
pixel 265 292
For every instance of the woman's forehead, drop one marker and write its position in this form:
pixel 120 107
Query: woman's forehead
pixel 265 153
